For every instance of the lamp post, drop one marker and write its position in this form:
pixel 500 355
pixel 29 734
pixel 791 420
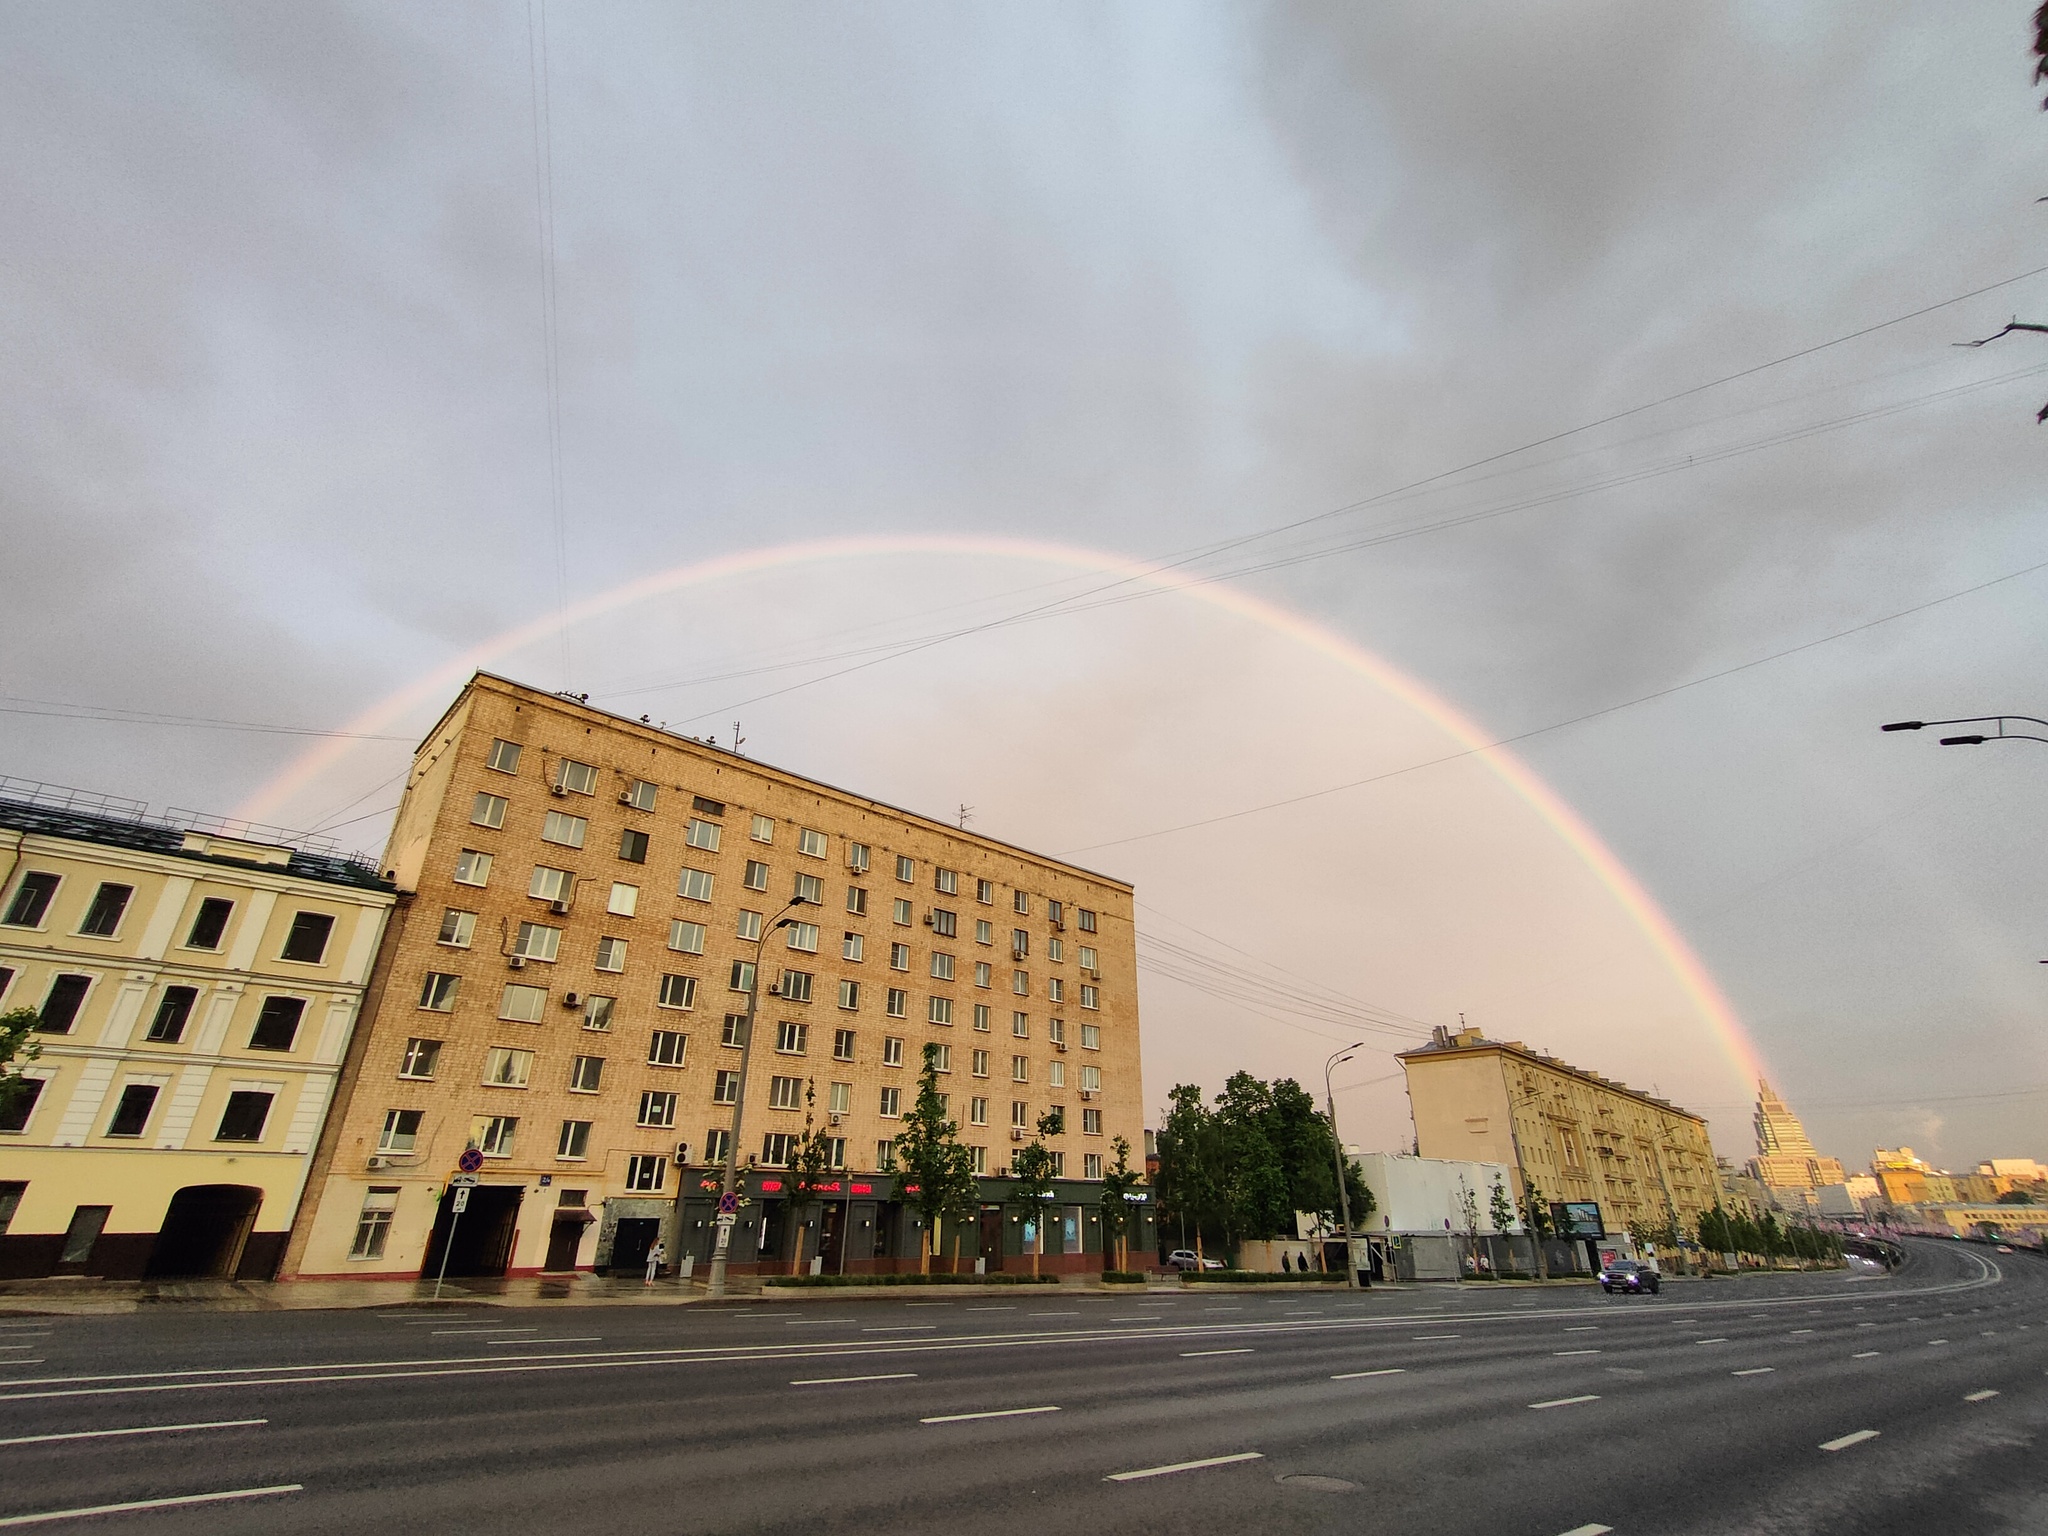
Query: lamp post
pixel 1343 1192
pixel 1521 1172
pixel 715 1286
pixel 1977 738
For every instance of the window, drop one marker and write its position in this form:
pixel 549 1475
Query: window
pixel 985 892
pixel 785 1093
pixel 984 931
pixel 678 991
pixel 716 1145
pixel 277 1024
pixel 458 929
pixel 307 942
pixel 374 1224
pixel 504 757
pixel 131 1114
pixel 1020 943
pixel 852 947
pixel 857 857
pixel 742 976
pixel 18 1106
pixel 725 1087
pixel 685 938
pixel 1056 1075
pixel 1091 1037
pixel 892 1103
pixel 437 991
pixel 839 1099
pixel 942 1058
pixel 945 924
pixel 1056 913
pixel 1020 983
pixel 586 1074
pixel 984 973
pixel 242 1119
pixel 537 941
pixel 657 1109
pixel 1059 1165
pixel 899 957
pixel 695 884
pixel 640 796
pixel 646 1173
pixel 524 1005
pixel 762 830
pixel 1020 1025
pixel 946 881
pixel 804 937
pixel 1055 950
pixel 892 1051
pixel 573 1144
pixel 1020 1114
pixel 777 1148
pixel 420 1058
pixel 735 1032
pixel 938 1010
pixel 897 1004
pixel 1091 997
pixel 625 899
pixel 31 900
pixel 472 868
pixel 981 1017
pixel 505 1067
pixel 1088 959
pixel 702 834
pixel 401 1132
pixel 1020 904
pixel 60 1006
pixel 842 1045
pixel 488 810
pixel 810 844
pixel 810 890
pixel 1091 1079
pixel 906 869
pixel 611 954
pixel 857 900
pixel 210 923
pixel 1091 1165
pixel 942 967
pixel 796 986
pixel 900 912
pixel 835 1151
pixel 791 1037
pixel 1087 919
pixel 561 827
pixel 702 803
pixel 1091 1122
pixel 1020 1069
pixel 633 846
pixel 577 778
pixel 173 1009
pixel 756 877
pixel 977 1111
pixel 749 925
pixel 885 1156
pixel 667 1047
pixel 981 1063
pixel 977 1159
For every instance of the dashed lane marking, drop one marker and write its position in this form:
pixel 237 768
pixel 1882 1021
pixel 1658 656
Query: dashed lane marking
pixel 1978 1397
pixel 1710 1341
pixel 836 1381
pixel 1755 1370
pixel 1846 1441
pixel 1182 1466
pixel 1433 1338
pixel 48 1516
pixel 1385 1370
pixel 1866 1354
pixel 1566 1402
pixel 145 1429
pixel 1196 1354
pixel 1589 1530
pixel 988 1413
pixel 1561 1353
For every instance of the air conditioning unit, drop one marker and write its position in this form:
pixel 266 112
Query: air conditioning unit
pixel 927 919
pixel 1059 1045
pixel 516 962
pixel 1087 1094
pixel 379 1161
pixel 559 906
pixel 682 1153
pixel 572 999
pixel 625 797
pixel 1016 1133
pixel 833 1119
pixel 559 789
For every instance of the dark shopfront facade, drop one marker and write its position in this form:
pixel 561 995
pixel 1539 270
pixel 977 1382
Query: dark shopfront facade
pixel 854 1226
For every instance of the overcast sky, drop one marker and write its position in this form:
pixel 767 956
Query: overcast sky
pixel 1140 279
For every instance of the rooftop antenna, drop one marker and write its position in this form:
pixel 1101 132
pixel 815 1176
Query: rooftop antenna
pixel 738 740
pixel 966 815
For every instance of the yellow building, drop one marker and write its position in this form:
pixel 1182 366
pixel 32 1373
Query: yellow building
pixel 1578 1137
pixel 198 984
pixel 564 987
pixel 1786 1158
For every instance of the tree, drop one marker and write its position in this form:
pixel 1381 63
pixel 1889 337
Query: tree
pixel 17 1045
pixel 930 1162
pixel 2016 1197
pixel 1031 1188
pixel 1190 1176
pixel 1117 1186
pixel 1500 1207
pixel 809 1162
pixel 1468 1207
pixel 1257 1200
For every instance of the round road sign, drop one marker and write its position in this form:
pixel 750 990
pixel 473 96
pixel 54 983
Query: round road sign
pixel 728 1205
pixel 470 1161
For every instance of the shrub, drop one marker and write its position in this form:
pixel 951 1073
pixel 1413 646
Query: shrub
pixel 829 1280
pixel 1123 1277
pixel 1259 1277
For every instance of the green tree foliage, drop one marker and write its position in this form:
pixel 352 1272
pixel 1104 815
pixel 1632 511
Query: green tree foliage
pixel 17 1047
pixel 1499 1207
pixel 808 1166
pixel 1118 1185
pixel 934 1172
pixel 2010 1197
pixel 1031 1188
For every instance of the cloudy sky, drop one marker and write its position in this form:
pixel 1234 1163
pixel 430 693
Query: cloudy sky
pixel 339 340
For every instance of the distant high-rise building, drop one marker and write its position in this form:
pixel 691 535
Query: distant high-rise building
pixel 1785 1155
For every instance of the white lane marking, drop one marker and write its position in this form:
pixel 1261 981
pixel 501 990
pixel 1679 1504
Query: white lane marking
pixel 834 1381
pixel 1846 1441
pixel 1937 1341
pixel 1583 1328
pixel 1134 1317
pixel 1561 1353
pixel 908 1304
pixel 177 1503
pixel 37 1361
pixel 991 1309
pixel 1978 1397
pixel 1182 1466
pixel 1196 1354
pixel 146 1429
pixel 442 1332
pixel 1710 1341
pixel 1566 1402
pixel 1866 1325
pixel 900 1328
pixel 1223 1309
pixel 1053 1314
pixel 1387 1370
pixel 1755 1370
pixel 582 1338
pixel 1866 1354
pixel 991 1413
pixel 1589 1530
pixel 819 1322
pixel 1431 1338
pixel 1797 1331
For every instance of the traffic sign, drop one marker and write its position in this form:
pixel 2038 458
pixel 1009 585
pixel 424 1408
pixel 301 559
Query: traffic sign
pixel 728 1205
pixel 465 1181
pixel 470 1161
pixel 461 1199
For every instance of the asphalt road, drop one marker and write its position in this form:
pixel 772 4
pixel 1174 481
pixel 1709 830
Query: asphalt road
pixel 1914 1402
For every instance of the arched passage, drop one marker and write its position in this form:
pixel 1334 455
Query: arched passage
pixel 205 1231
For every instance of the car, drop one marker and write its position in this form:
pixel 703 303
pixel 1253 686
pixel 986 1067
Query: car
pixel 2003 1249
pixel 1630 1278
pixel 1187 1258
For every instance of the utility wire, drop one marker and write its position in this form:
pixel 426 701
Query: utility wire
pixel 541 84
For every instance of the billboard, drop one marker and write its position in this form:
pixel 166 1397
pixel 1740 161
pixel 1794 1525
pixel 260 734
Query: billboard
pixel 1577 1218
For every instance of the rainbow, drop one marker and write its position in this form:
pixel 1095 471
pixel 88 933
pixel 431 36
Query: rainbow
pixel 432 688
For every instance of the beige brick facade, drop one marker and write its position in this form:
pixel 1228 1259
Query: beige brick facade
pixel 664 847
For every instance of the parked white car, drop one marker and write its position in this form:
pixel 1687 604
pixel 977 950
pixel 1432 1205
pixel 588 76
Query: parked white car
pixel 1187 1258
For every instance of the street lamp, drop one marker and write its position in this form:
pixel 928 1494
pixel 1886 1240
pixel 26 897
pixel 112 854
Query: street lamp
pixel 1977 738
pixel 1343 1193
pixel 726 1217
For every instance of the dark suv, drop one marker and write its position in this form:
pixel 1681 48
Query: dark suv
pixel 1630 1278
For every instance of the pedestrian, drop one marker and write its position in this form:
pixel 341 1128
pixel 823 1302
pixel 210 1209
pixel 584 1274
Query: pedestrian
pixel 655 1257
pixel 1286 1268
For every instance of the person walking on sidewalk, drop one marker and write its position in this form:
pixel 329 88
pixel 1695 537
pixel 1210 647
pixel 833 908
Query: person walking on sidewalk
pixel 655 1257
